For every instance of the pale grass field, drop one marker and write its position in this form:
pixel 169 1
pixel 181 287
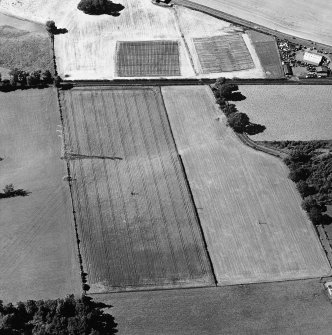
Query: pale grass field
pixel 235 188
pixel 38 251
pixel 289 112
pixel 306 19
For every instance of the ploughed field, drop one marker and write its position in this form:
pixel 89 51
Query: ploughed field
pixel 136 221
pixel 223 53
pixel 280 308
pixel 38 250
pixel 249 210
pixel 148 59
pixel 298 113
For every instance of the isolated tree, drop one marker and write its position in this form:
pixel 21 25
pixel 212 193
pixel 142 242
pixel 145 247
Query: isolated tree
pixel 8 189
pixel 238 121
pixel 99 7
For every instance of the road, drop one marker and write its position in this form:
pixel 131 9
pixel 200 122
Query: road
pixel 194 81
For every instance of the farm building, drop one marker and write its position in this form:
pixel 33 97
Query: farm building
pixel 312 58
pixel 287 70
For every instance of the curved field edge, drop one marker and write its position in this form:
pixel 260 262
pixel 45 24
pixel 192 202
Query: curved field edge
pixel 250 211
pixel 37 244
pixel 294 113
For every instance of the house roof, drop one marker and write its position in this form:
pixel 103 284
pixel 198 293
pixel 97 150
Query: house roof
pixel 312 58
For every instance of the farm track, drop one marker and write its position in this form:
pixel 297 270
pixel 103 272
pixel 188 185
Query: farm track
pixel 250 25
pixel 136 222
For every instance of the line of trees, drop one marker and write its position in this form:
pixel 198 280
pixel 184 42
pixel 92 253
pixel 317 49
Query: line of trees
pixel 23 79
pixel 239 122
pixel 70 316
pixel 312 172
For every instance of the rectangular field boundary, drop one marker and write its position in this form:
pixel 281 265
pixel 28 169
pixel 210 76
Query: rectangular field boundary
pixel 153 58
pixel 224 53
pixel 107 114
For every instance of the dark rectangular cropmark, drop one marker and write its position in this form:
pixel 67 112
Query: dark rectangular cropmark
pixel 148 59
pixel 268 54
pixel 223 53
pixel 136 220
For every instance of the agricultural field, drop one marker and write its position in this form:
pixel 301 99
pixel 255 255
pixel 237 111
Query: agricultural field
pixel 137 224
pixel 24 45
pixel 284 308
pixel 223 54
pixel 268 53
pixel 89 50
pixel 37 242
pixel 148 59
pixel 293 112
pixel 302 18
pixel 249 210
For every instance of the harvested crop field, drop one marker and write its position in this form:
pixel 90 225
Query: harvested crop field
pixel 148 59
pixel 293 112
pixel 24 45
pixel 136 221
pixel 223 53
pixel 38 252
pixel 306 19
pixel 285 308
pixel 268 53
pixel 249 210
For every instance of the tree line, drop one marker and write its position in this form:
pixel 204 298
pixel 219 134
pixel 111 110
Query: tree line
pixel 238 121
pixel 24 79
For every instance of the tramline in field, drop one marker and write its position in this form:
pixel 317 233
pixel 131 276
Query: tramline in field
pixel 137 224
pixel 249 210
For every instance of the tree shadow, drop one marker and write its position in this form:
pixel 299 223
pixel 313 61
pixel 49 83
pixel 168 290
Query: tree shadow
pixel 326 220
pixel 15 193
pixel 254 128
pixel 236 96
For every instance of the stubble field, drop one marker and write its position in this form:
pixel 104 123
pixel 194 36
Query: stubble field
pixel 137 224
pixel 249 210
pixel 38 253
pixel 298 113
pixel 306 19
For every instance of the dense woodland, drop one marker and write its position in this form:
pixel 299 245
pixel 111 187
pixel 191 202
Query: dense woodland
pixel 311 170
pixel 69 316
